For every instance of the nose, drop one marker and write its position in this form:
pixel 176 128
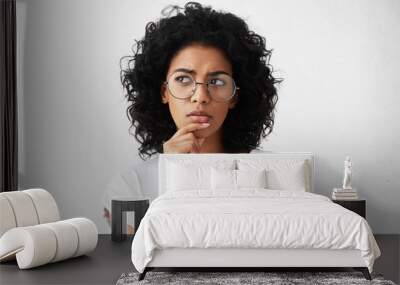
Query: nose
pixel 200 93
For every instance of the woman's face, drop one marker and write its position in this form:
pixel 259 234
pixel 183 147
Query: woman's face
pixel 201 61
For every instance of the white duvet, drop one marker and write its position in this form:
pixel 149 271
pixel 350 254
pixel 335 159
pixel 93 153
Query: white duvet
pixel 250 218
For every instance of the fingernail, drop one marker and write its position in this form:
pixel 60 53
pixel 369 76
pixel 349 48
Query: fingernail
pixel 205 124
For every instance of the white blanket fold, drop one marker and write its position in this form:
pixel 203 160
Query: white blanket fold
pixel 251 218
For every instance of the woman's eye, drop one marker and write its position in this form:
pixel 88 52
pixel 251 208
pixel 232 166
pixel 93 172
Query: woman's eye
pixel 183 79
pixel 217 82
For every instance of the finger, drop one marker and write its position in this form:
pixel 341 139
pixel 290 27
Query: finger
pixel 199 119
pixel 190 128
pixel 188 140
pixel 189 137
pixel 185 137
pixel 186 147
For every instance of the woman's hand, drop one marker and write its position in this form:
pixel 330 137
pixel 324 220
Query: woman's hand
pixel 184 141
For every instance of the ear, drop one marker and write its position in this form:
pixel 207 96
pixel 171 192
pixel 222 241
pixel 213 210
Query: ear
pixel 234 100
pixel 164 94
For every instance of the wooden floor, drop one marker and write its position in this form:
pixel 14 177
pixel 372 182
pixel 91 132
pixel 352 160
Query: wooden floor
pixel 111 259
pixel 389 262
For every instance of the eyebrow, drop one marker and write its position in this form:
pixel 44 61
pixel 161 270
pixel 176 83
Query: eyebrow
pixel 191 71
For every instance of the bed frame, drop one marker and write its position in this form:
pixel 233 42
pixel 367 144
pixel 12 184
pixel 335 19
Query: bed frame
pixel 250 259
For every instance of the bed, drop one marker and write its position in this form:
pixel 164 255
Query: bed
pixel 242 211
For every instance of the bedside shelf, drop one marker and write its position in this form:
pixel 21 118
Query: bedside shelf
pixel 126 204
pixel 357 206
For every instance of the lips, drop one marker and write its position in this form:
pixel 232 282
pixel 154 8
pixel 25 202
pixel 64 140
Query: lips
pixel 199 113
pixel 200 117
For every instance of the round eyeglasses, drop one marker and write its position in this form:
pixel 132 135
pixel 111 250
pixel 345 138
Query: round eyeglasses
pixel 220 87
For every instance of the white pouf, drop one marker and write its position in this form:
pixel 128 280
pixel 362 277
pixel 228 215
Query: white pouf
pixel 31 231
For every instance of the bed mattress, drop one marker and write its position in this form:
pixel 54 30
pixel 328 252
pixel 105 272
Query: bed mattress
pixel 253 218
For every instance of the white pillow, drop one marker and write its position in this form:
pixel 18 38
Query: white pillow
pixel 228 179
pixel 223 179
pixel 251 178
pixel 185 175
pixel 282 174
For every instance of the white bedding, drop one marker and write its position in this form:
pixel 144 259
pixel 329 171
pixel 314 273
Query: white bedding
pixel 250 218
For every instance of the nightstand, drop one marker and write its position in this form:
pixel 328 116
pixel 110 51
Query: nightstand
pixel 357 206
pixel 125 204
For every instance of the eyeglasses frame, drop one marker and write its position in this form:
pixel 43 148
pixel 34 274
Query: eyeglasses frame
pixel 208 91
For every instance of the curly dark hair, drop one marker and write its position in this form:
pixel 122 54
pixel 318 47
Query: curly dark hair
pixel 146 70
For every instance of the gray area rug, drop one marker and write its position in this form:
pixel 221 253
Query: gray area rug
pixel 228 278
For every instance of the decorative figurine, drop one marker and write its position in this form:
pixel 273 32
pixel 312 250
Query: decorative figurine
pixel 347 173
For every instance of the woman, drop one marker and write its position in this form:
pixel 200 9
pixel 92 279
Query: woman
pixel 199 82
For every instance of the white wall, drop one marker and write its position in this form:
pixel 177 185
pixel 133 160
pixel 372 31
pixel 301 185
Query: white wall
pixel 339 60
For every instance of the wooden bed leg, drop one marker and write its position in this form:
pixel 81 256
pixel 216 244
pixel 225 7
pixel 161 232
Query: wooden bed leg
pixel 143 274
pixel 364 271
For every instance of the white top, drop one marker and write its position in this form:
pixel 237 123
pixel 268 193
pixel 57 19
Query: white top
pixel 138 181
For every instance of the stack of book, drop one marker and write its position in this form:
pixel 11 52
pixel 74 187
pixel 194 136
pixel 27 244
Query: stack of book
pixel 344 194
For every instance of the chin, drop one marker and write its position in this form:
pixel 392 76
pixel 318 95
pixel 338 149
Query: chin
pixel 202 133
